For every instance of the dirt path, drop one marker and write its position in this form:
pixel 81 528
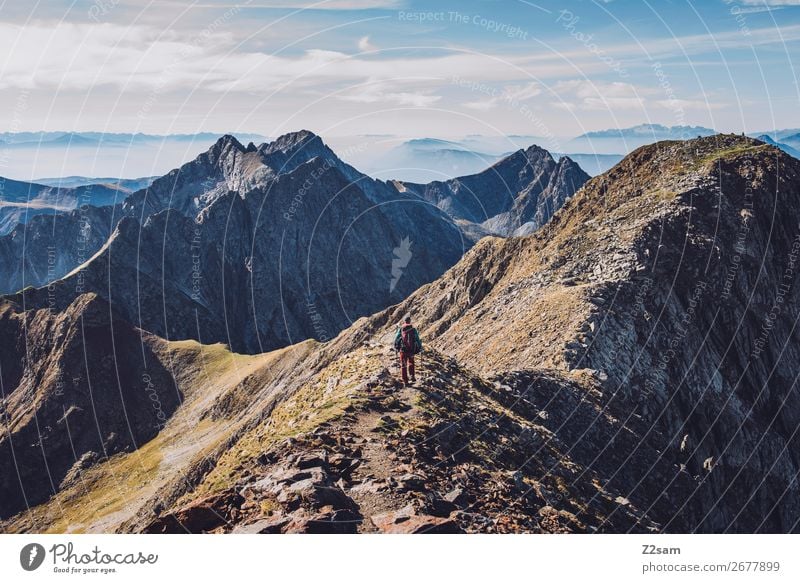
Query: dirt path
pixel 374 480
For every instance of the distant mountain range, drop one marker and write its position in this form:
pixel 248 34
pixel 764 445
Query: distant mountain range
pixel 129 184
pixel 428 159
pixel 431 159
pixel 624 140
pixel 787 135
pixel 420 160
pixel 27 155
pixel 651 131
pixel 621 141
pixel 21 201
pixel 783 146
pixel 95 139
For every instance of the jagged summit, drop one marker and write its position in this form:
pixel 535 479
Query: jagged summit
pixel 290 150
pixel 535 151
pixel 281 155
pixel 533 154
pixel 285 142
pixel 225 142
pixel 515 196
pixel 293 140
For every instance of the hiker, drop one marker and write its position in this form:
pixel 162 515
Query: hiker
pixel 407 343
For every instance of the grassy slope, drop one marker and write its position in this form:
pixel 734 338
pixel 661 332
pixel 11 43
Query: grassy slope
pixel 112 491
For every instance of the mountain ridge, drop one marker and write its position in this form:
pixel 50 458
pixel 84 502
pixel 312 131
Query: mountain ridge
pixel 227 166
pixel 573 424
pixel 529 185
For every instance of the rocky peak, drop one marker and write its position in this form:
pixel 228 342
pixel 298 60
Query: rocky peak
pixel 303 139
pixel 293 149
pixel 224 145
pixel 523 162
pixel 567 164
pixel 534 152
pixel 516 195
pixel 567 179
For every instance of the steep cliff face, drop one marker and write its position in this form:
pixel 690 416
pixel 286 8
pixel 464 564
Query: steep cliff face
pixel 515 196
pixel 99 416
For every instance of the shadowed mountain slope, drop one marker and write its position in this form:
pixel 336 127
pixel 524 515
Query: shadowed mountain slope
pixel 517 195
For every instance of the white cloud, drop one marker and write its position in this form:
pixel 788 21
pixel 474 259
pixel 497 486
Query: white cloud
pixel 63 62
pixel 523 92
pixel 510 94
pixel 633 53
pixel 574 94
pixel 84 56
pixel 388 93
pixel 591 95
pixel 364 45
pixel 696 104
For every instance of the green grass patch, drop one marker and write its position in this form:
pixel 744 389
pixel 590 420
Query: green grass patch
pixel 319 401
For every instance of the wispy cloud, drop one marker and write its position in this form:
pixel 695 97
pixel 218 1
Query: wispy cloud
pixel 331 61
pixel 589 95
pixel 510 94
pixel 386 92
pixel 84 56
pixel 687 104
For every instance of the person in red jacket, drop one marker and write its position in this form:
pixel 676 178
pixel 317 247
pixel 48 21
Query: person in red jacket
pixel 407 343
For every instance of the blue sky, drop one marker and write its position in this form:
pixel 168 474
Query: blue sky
pixel 401 67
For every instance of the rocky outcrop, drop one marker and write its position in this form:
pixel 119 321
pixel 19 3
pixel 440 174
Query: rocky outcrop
pixel 456 453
